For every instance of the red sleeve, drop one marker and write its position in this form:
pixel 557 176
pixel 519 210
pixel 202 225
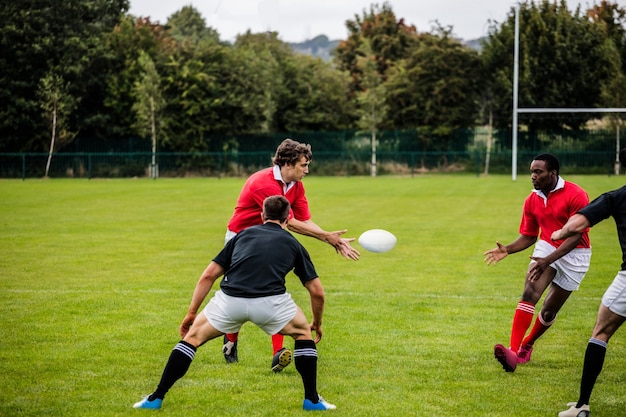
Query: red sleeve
pixel 580 200
pixel 250 202
pixel 529 225
pixel 299 203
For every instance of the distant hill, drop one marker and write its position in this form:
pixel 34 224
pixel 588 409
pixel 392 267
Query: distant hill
pixel 474 43
pixel 322 47
pixel 319 47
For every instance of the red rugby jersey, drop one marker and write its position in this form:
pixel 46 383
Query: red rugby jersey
pixel 542 215
pixel 256 189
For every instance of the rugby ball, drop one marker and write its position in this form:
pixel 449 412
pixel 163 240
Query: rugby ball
pixel 377 240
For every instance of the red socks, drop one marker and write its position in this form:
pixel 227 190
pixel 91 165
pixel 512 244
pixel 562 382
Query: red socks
pixel 521 322
pixel 538 329
pixel 277 342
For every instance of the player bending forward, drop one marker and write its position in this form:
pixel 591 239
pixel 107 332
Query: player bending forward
pixel 254 264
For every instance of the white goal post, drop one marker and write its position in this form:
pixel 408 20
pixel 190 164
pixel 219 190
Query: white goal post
pixel 517 110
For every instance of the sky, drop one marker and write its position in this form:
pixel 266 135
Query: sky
pixel 300 20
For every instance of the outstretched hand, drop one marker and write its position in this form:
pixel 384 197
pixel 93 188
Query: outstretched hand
pixel 186 324
pixel 496 254
pixel 342 245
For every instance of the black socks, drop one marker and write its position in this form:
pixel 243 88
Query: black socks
pixel 177 366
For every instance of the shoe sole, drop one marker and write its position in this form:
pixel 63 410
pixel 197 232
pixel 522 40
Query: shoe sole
pixel 284 359
pixel 499 352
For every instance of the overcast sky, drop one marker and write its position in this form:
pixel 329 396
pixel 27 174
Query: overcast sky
pixel 299 20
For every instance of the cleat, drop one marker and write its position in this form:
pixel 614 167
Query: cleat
pixel 147 404
pixel 281 359
pixel 230 350
pixel 583 411
pixel 524 352
pixel 506 357
pixel 321 405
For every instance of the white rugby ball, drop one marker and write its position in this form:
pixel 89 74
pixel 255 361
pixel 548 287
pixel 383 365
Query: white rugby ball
pixel 377 240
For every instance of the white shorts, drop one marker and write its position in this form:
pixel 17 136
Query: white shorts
pixel 229 235
pixel 570 268
pixel 227 314
pixel 614 297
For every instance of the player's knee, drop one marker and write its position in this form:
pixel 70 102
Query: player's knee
pixel 548 316
pixel 531 296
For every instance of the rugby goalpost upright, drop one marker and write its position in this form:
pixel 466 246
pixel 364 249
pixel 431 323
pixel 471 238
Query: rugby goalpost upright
pixel 517 110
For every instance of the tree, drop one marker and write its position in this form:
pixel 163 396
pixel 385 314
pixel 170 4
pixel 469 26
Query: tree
pixel 124 45
pixel 37 38
pixel 429 81
pixel 371 101
pixel 148 105
pixel 194 85
pixel 316 96
pixel 612 19
pixel 188 25
pixel 57 105
pixel 564 60
pixel 278 90
pixel 390 40
pixel 437 87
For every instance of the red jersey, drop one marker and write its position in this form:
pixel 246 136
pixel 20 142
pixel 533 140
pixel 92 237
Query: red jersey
pixel 549 213
pixel 256 189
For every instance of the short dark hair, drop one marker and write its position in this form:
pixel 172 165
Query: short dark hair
pixel 290 151
pixel 551 162
pixel 276 207
pixel 622 157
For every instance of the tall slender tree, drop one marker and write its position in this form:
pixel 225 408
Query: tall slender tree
pixel 371 100
pixel 148 105
pixel 57 104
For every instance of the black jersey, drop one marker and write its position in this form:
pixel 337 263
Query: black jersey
pixel 612 203
pixel 257 260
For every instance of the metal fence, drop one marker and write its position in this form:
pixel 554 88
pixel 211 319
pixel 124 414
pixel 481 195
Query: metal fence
pixel 344 153
pixel 344 163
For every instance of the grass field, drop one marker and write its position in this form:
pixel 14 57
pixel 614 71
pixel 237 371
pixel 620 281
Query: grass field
pixel 95 277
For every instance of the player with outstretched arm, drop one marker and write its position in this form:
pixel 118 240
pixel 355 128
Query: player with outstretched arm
pixel 254 265
pixel 290 166
pixel 559 266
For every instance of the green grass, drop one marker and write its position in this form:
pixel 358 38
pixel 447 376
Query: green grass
pixel 95 277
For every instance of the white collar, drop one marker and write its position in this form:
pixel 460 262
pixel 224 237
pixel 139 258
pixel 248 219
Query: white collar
pixel 278 177
pixel 560 183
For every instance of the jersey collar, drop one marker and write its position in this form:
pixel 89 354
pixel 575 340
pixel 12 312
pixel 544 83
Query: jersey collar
pixel 279 177
pixel 560 183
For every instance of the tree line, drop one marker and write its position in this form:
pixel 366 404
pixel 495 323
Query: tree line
pixel 88 69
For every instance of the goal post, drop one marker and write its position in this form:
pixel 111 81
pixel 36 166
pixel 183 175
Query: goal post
pixel 517 110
